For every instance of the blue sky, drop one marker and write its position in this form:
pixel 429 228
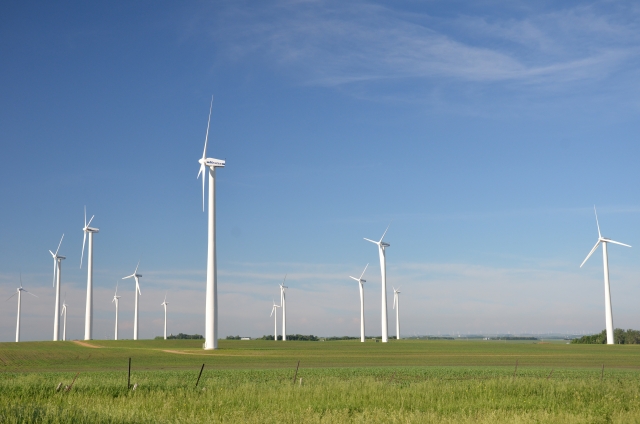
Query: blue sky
pixel 485 132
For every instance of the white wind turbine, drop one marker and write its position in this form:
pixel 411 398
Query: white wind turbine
pixel 19 293
pixel 64 320
pixel 607 291
pixel 136 276
pixel 57 268
pixel 211 296
pixel 383 269
pixel 88 316
pixel 360 281
pixel 283 304
pixel 274 314
pixel 116 300
pixel 396 306
pixel 165 303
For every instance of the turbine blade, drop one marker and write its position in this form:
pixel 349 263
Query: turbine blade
pixel 365 269
pixel 617 242
pixel 591 253
pixel 85 215
pixel 354 278
pixel 385 233
pixel 394 301
pixel 11 296
pixel 272 310
pixel 374 242
pixel 206 138
pixel 202 168
pixel 138 287
pixel 136 271
pixel 89 223
pixel 59 245
pixel 128 276
pixel 53 283
pixel 84 239
pixel 597 223
pixel 29 292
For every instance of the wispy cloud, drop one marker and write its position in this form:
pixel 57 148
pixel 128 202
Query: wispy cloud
pixel 335 44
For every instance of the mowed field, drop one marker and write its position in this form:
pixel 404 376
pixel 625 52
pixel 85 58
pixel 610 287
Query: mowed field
pixel 342 381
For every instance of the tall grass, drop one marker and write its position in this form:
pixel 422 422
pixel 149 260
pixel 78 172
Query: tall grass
pixel 409 394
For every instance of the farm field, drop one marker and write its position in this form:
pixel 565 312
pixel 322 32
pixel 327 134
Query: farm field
pixel 342 381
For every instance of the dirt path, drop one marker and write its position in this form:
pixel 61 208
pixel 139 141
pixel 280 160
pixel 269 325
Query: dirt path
pixel 78 342
pixel 179 353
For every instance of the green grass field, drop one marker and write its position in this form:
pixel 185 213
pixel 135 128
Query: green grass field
pixel 342 381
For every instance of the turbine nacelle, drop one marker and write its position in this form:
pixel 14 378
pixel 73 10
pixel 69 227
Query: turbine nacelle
pixel 212 163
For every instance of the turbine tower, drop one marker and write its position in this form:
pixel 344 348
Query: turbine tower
pixel 136 276
pixel 19 293
pixel 88 316
pixel 64 320
pixel 116 300
pixel 165 303
pixel 274 314
pixel 57 267
pixel 211 296
pixel 396 306
pixel 607 291
pixel 383 269
pixel 283 303
pixel 360 281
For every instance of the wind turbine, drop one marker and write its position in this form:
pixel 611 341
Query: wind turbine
pixel 88 316
pixel 383 269
pixel 211 296
pixel 19 293
pixel 360 281
pixel 274 314
pixel 396 306
pixel 136 276
pixel 57 267
pixel 64 320
pixel 283 304
pixel 607 291
pixel 165 303
pixel 116 300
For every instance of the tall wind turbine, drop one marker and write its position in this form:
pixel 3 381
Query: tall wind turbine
pixel 64 320
pixel 57 267
pixel 88 316
pixel 607 292
pixel 19 293
pixel 116 300
pixel 396 306
pixel 283 304
pixel 136 276
pixel 383 269
pixel 360 281
pixel 165 303
pixel 211 296
pixel 274 314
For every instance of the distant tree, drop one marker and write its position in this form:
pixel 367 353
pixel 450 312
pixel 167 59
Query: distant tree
pixel 182 336
pixel 233 337
pixel 620 336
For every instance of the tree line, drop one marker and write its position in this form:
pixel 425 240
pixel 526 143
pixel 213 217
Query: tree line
pixel 620 336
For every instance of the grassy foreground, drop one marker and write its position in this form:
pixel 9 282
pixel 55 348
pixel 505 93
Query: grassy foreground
pixel 406 381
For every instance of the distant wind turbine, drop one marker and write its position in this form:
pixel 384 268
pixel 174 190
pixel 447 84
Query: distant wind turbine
pixel 57 268
pixel 274 314
pixel 136 276
pixel 360 281
pixel 88 317
pixel 211 295
pixel 165 303
pixel 116 300
pixel 64 320
pixel 607 291
pixel 383 269
pixel 19 293
pixel 396 306
pixel 283 304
